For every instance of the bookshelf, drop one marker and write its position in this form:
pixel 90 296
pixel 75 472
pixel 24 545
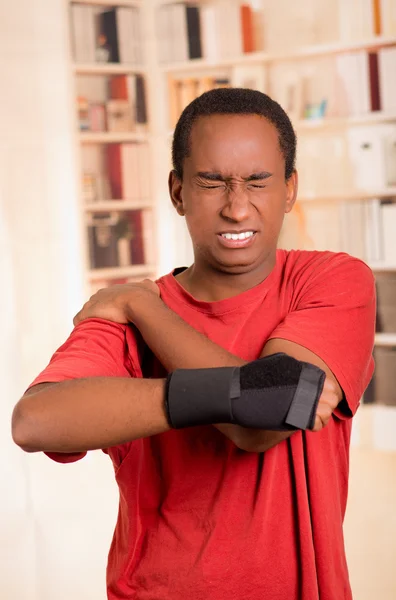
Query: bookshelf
pixel 107 69
pixel 300 54
pixel 113 140
pixel 346 209
pixel 109 3
pixel 343 209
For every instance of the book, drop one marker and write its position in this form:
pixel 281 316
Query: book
pixel 387 78
pixel 353 225
pixel 83 33
pixel 388 17
pixel 250 76
pixel 388 226
pixel 135 218
pixel 193 32
pixel 375 99
pixel 352 73
pixel 131 88
pixel 119 115
pixel 128 171
pixel 372 229
pixel 209 32
pixel 246 15
pixel 108 28
pixel 102 240
pixel 372 156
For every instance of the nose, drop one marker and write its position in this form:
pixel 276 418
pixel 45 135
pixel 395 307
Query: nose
pixel 237 207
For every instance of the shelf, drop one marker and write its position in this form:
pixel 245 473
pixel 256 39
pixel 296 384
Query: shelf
pixel 108 137
pixel 110 205
pixel 265 57
pixel 121 272
pixel 336 123
pixel 132 3
pixel 382 267
pixel 350 195
pixel 385 339
pixel 106 68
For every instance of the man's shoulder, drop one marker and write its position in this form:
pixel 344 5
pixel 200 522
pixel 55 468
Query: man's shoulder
pixel 313 270
pixel 319 261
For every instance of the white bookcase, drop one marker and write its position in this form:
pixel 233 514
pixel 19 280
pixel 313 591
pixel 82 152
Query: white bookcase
pixel 171 240
pixel 98 141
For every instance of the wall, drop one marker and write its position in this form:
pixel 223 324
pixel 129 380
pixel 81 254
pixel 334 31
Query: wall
pixel 55 522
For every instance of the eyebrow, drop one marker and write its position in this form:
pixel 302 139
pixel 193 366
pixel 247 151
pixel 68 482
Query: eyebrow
pixel 213 176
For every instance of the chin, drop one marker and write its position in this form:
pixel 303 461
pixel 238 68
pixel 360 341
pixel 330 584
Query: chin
pixel 235 268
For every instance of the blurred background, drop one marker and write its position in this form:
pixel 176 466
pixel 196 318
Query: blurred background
pixel 91 91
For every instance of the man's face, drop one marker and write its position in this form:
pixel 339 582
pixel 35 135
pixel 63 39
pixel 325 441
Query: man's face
pixel 234 194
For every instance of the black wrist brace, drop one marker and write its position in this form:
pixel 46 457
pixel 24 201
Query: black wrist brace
pixel 277 392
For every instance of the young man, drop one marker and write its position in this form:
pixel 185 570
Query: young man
pixel 233 481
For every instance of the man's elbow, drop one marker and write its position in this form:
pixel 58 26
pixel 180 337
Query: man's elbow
pixel 23 428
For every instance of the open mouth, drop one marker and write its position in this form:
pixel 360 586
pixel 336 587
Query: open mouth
pixel 237 239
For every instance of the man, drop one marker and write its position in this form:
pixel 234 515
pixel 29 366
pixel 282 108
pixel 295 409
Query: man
pixel 233 481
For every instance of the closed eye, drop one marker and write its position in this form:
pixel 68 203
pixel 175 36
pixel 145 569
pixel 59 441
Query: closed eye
pixel 257 185
pixel 211 186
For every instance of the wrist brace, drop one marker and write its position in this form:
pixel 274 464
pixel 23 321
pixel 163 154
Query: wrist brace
pixel 277 393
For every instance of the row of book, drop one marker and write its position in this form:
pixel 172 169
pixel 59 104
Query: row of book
pixel 368 231
pixel 352 84
pixel 103 36
pixel 119 105
pixel 221 30
pixel 363 158
pixel 184 91
pixel 120 239
pixel 368 81
pixel 116 171
pixel 359 19
pixel 227 29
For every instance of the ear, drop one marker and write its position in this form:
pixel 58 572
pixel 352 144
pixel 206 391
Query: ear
pixel 176 192
pixel 291 194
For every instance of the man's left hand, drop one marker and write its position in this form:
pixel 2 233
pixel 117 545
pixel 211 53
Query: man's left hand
pixel 119 303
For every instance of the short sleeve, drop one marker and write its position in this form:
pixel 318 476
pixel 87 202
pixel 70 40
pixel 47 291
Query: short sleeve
pixel 333 316
pixel 95 348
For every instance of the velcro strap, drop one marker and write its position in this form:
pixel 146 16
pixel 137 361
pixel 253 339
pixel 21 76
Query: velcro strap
pixel 302 410
pixel 200 396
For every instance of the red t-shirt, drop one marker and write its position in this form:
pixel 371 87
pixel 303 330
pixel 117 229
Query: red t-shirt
pixel 200 519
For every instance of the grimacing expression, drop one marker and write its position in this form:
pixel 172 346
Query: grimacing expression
pixel 234 194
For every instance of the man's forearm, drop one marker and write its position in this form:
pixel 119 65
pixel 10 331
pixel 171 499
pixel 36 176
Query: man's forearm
pixel 177 345
pixel 86 414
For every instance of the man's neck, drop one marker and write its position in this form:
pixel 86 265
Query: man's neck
pixel 210 285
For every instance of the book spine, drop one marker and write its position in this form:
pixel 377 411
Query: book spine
pixel 375 100
pixel 137 241
pixel 193 32
pixel 247 28
pixel 109 29
pixel 141 104
pixel 114 172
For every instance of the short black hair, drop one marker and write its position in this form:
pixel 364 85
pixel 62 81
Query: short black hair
pixel 233 101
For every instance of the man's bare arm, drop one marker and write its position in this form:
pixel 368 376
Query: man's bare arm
pixel 86 414
pixel 177 345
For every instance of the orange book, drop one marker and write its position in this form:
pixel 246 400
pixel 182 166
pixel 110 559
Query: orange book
pixel 247 28
pixel 119 88
pixel 377 16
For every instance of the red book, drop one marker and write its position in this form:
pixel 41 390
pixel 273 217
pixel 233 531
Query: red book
pixel 375 99
pixel 137 241
pixel 247 28
pixel 119 87
pixel 114 170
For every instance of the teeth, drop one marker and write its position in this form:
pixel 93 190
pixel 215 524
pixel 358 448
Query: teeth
pixel 237 236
